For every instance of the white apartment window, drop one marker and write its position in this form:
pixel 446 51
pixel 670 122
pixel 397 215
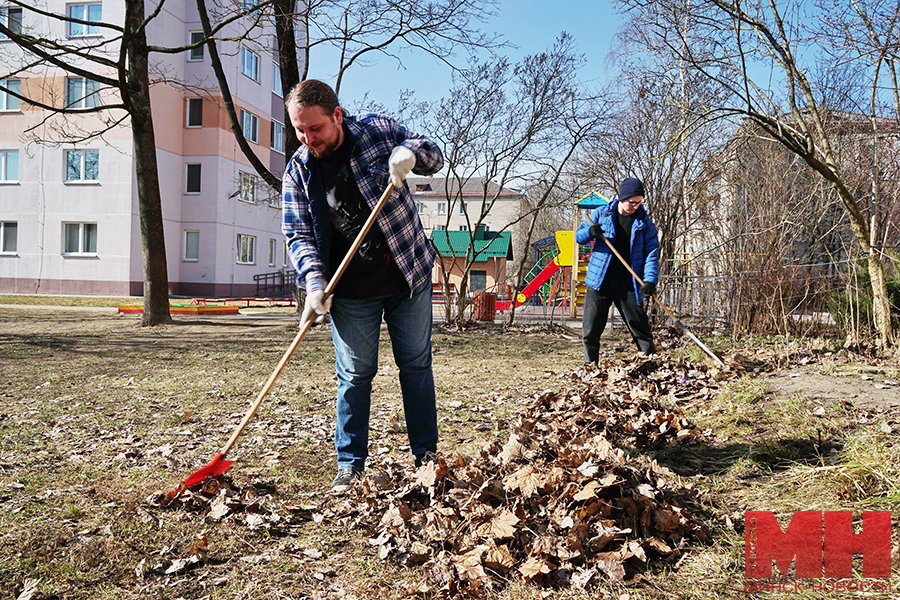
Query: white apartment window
pixel 82 165
pixel 192 179
pixel 442 208
pixel 440 227
pixel 463 227
pixel 420 207
pixel 250 126
pixel 93 13
pixel 249 64
pixel 12 18
pixel 195 112
pixel 276 80
pixel 191 245
pixel 247 187
pixel 274 198
pixel 197 51
pixel 272 251
pixel 9 234
pixel 9 166
pixel 82 92
pixel 462 208
pixel 277 136
pixel 8 101
pixel 246 249
pixel 80 238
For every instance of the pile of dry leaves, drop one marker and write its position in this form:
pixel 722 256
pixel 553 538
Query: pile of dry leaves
pixel 568 500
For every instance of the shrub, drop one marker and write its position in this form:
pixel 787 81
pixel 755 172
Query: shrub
pixel 853 311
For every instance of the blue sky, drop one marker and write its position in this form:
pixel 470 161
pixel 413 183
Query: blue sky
pixel 532 25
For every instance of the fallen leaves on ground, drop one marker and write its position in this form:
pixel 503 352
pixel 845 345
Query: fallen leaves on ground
pixel 567 500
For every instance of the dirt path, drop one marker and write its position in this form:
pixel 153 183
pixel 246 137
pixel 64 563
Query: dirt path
pixel 863 388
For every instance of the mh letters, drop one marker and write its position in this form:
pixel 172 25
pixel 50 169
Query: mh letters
pixel 823 544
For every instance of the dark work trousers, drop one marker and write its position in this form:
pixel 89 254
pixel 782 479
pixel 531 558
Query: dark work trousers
pixel 596 311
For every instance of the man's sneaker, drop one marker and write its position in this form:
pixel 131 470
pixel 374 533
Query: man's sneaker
pixel 344 478
pixel 425 458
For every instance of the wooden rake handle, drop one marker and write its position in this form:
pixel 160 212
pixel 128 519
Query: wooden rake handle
pixel 630 270
pixel 307 324
pixel 671 314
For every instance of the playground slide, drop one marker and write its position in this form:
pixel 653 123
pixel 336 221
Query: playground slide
pixel 539 280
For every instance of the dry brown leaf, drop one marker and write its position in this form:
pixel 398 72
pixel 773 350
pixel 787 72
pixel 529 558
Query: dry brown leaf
pixel 501 526
pixel 429 474
pixel 218 508
pixel 255 521
pixel 513 449
pixel 582 577
pixel 658 545
pixel 499 557
pixel 667 518
pixel 468 565
pixel 438 574
pixel 611 564
pixel 395 517
pixel 419 553
pixel 199 547
pixel 527 480
pixel 588 492
pixel 439 522
pixel 553 480
pixel 534 567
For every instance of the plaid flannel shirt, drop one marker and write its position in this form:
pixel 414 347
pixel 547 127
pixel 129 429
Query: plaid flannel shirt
pixel 373 136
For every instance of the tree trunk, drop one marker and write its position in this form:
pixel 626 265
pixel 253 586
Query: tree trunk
pixel 285 35
pixel 136 97
pixel 881 306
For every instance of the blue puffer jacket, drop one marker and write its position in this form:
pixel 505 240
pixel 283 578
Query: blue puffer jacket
pixel 644 246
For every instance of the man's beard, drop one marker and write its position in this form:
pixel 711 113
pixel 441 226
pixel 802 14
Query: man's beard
pixel 325 153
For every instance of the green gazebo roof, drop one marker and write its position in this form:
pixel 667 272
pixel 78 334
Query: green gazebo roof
pixel 487 244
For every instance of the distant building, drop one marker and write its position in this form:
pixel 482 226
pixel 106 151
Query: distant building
pixel 489 253
pixel 443 205
pixel 69 221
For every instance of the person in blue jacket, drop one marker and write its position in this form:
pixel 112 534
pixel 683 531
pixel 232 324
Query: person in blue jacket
pixel 625 223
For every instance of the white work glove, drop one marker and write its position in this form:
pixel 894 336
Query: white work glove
pixel 315 303
pixel 400 163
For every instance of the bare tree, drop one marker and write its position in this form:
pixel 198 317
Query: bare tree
pixel 514 127
pixel 776 262
pixel 118 63
pixel 358 31
pixel 646 140
pixel 757 55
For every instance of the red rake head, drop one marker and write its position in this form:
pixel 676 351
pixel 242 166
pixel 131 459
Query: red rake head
pixel 216 466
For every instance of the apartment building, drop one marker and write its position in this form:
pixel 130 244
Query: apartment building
pixel 69 220
pixel 444 204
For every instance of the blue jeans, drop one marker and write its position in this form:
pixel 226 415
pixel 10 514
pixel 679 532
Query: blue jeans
pixel 355 328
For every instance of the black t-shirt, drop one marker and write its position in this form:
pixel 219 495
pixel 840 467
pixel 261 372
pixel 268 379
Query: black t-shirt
pixel 372 271
pixel 618 280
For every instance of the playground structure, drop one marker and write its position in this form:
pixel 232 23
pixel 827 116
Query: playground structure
pixel 550 275
pixel 551 283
